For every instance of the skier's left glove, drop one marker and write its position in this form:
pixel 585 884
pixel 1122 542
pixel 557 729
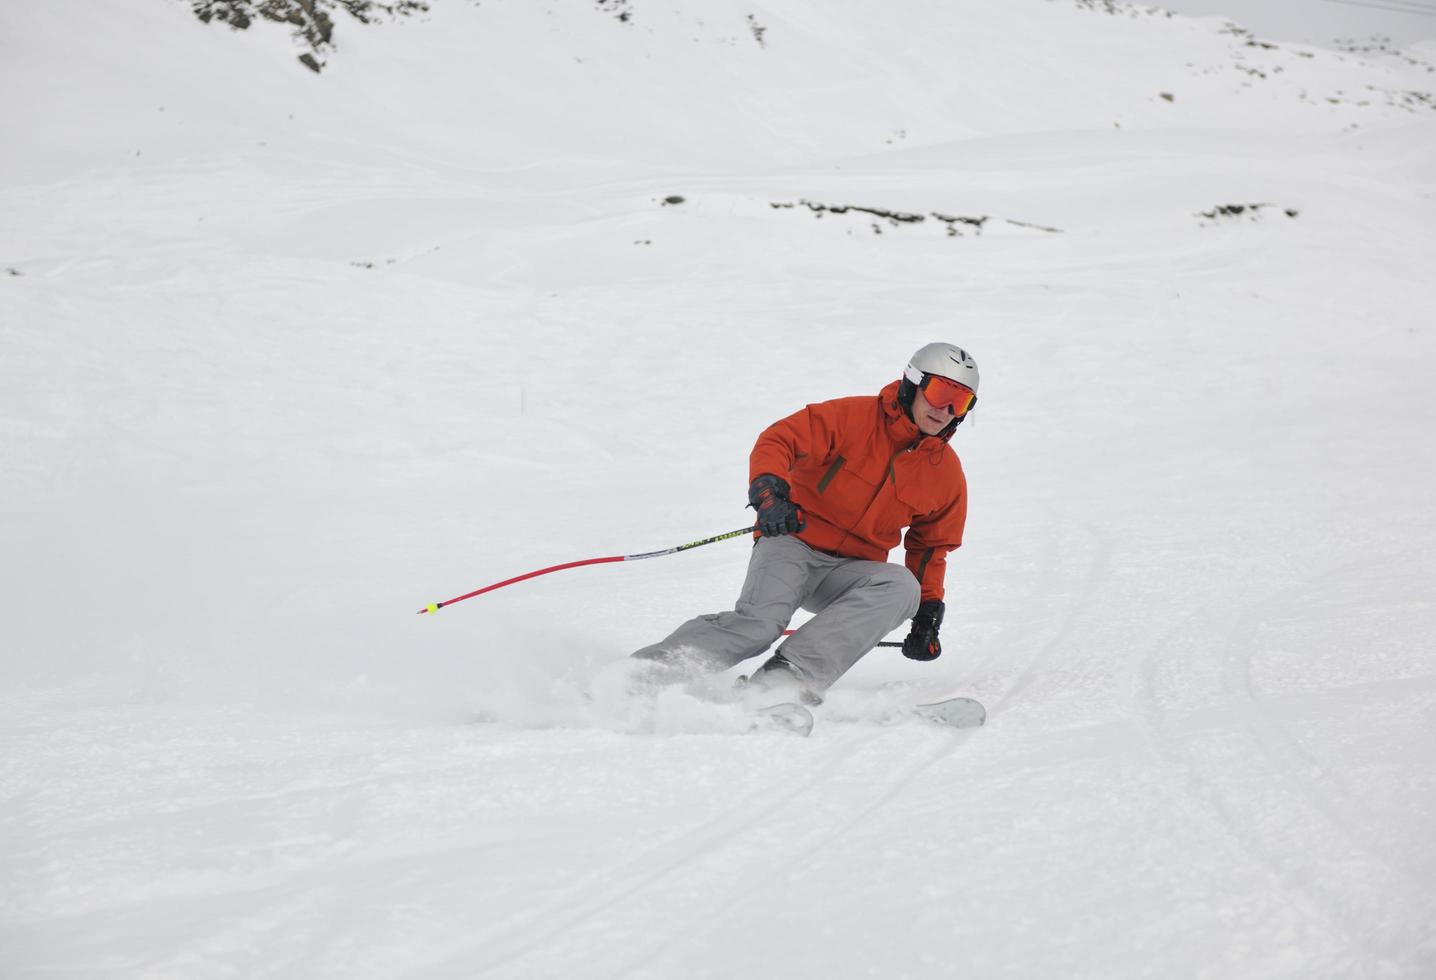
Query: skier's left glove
pixel 922 643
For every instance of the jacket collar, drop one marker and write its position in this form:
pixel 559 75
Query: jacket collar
pixel 903 429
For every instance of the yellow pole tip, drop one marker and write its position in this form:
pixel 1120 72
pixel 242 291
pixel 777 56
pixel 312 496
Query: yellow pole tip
pixel 433 608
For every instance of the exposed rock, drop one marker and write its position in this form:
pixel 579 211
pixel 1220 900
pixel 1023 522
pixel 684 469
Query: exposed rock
pixel 310 20
pixel 621 9
pixel 1252 211
pixel 893 217
pixel 957 225
pixel 758 30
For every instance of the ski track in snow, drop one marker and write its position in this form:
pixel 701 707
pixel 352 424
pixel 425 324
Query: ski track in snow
pixel 601 894
pixel 1265 785
pixel 634 890
pixel 768 874
pixel 1091 581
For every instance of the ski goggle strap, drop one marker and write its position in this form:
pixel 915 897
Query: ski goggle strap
pixel 943 392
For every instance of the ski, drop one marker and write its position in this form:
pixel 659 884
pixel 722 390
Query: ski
pixel 796 719
pixel 785 717
pixel 953 712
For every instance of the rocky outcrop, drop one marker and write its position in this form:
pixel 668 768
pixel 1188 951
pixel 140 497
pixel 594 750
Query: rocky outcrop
pixel 311 21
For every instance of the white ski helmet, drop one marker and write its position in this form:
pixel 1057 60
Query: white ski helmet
pixel 944 360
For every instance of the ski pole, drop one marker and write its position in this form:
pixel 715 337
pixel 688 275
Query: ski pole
pixel 880 643
pixel 436 606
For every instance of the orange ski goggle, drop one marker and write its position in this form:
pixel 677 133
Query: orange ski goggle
pixel 941 392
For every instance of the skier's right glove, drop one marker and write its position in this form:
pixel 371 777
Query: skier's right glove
pixel 922 643
pixel 777 515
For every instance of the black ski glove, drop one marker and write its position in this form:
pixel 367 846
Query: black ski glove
pixel 922 643
pixel 777 515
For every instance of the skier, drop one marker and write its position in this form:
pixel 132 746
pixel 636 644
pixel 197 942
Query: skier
pixel 834 485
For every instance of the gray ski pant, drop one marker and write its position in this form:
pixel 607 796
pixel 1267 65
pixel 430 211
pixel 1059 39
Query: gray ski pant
pixel 856 603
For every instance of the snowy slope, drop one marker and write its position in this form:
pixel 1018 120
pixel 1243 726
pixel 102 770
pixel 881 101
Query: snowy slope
pixel 285 356
pixel 1323 22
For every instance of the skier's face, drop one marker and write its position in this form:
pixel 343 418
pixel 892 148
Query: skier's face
pixel 930 421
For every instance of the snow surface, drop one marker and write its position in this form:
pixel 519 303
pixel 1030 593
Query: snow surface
pixel 1324 22
pixel 285 356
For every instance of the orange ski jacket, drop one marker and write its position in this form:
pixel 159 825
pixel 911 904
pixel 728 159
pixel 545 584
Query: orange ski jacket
pixel 862 471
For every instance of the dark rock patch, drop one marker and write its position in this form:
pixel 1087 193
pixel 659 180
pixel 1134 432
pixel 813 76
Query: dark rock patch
pixel 957 225
pixel 757 30
pixel 310 21
pixel 1250 211
pixel 622 10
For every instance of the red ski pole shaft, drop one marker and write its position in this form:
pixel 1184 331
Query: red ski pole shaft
pixel 436 606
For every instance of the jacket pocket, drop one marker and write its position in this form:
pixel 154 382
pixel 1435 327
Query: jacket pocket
pixel 906 500
pixel 827 477
pixel 844 496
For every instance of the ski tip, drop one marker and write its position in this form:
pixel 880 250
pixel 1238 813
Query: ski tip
pixel 954 712
pixel 789 718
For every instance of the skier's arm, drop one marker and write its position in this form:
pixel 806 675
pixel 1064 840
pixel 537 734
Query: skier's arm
pixel 929 540
pixel 808 433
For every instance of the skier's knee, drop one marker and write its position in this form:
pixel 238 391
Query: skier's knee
pixel 909 593
pixel 759 629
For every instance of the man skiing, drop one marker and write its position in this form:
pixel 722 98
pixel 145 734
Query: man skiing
pixel 834 485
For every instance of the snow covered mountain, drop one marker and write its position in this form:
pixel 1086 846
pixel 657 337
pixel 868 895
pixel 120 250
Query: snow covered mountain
pixel 285 355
